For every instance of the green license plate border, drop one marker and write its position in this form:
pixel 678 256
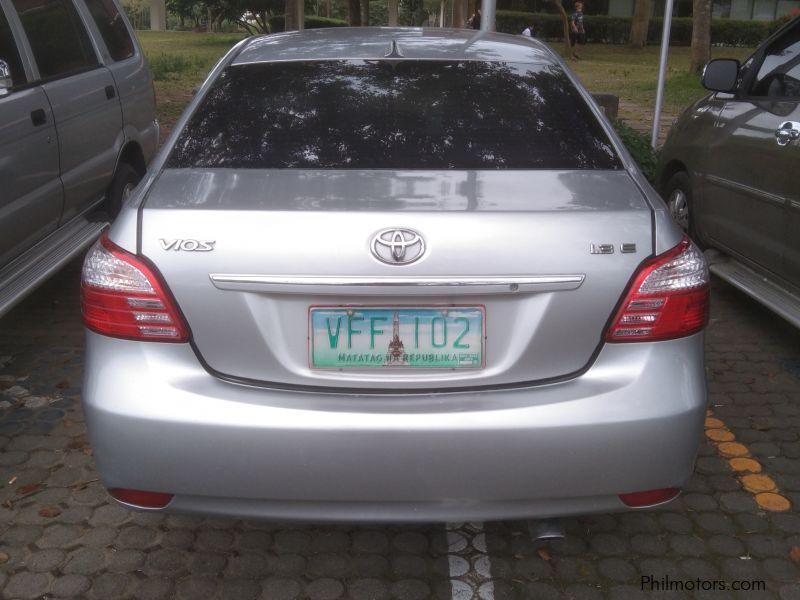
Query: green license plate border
pixel 346 307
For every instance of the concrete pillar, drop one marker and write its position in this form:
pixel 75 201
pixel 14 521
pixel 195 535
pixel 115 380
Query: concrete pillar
pixel 488 12
pixel 158 15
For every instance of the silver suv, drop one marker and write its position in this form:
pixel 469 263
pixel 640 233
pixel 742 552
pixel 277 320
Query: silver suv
pixel 78 127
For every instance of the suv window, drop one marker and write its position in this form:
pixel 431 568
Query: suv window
pixel 112 28
pixel 387 114
pixel 9 52
pixel 57 36
pixel 779 73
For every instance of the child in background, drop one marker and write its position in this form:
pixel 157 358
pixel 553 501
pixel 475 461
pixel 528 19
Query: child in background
pixel 577 31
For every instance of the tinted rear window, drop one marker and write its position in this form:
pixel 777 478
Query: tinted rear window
pixel 393 115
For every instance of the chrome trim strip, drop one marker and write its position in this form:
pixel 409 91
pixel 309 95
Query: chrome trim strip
pixel 739 187
pixel 326 284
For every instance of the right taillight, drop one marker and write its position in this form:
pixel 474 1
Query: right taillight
pixel 668 298
pixel 121 296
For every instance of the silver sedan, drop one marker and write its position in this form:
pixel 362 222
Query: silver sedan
pixel 394 275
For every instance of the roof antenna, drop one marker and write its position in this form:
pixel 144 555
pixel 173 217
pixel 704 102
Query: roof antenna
pixel 394 51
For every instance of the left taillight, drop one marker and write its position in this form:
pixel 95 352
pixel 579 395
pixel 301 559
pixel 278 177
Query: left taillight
pixel 121 296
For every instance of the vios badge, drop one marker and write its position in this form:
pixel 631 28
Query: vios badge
pixel 188 245
pixel 398 246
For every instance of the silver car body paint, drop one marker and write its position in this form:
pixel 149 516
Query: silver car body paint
pixel 237 422
pixel 631 422
pixel 475 224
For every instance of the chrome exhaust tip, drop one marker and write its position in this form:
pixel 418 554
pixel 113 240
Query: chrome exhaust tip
pixel 545 530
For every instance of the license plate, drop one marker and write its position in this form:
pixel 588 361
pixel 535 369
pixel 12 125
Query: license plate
pixel 395 337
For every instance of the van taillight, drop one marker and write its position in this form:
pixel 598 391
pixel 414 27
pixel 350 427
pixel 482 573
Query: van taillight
pixel 668 298
pixel 123 297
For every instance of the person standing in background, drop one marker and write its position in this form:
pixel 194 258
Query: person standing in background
pixel 577 31
pixel 528 31
pixel 475 20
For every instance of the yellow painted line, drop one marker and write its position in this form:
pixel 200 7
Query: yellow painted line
pixel 744 465
pixel 747 469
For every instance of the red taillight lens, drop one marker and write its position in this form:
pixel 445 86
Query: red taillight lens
pixel 141 498
pixel 122 297
pixel 668 298
pixel 649 498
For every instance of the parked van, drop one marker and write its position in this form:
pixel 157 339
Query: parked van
pixel 728 172
pixel 78 127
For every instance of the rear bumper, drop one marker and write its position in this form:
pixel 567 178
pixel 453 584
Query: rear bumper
pixel 158 421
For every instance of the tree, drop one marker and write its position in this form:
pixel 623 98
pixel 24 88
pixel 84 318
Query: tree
pixel 701 34
pixel 184 9
pixel 292 15
pixel 354 15
pixel 138 12
pixel 640 23
pixel 459 13
pixel 411 12
pixel 378 12
pixel 252 15
pixel 560 8
pixel 216 15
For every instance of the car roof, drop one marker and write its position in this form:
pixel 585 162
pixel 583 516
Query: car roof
pixel 371 43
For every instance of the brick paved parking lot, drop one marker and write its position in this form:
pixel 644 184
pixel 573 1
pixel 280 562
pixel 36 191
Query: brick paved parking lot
pixel 61 537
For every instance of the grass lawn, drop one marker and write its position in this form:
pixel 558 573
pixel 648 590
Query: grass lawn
pixel 632 74
pixel 181 60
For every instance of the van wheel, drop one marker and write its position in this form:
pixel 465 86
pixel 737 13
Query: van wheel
pixel 125 180
pixel 678 196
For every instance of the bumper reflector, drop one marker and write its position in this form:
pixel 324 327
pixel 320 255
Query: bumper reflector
pixel 649 497
pixel 141 498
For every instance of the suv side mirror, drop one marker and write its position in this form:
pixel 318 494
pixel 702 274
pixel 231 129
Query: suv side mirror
pixel 5 78
pixel 721 75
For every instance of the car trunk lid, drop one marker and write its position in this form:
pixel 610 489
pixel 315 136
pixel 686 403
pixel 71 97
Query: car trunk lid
pixel 537 259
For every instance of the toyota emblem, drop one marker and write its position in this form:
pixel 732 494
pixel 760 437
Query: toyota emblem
pixel 397 246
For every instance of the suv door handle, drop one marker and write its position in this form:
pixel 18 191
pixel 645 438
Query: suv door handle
pixel 787 132
pixel 110 92
pixel 38 117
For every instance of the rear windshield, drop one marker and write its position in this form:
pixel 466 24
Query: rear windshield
pixel 393 115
